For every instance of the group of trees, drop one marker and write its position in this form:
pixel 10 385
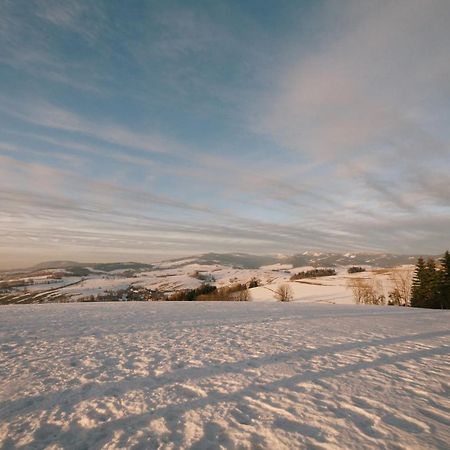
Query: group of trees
pixel 431 283
pixel 254 282
pixel 206 292
pixel 369 290
pixel 428 286
pixel 355 269
pixel 400 295
pixel 236 292
pixel 190 295
pixel 314 273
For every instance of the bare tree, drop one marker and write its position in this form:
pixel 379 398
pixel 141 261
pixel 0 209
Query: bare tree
pixel 367 290
pixel 243 295
pixel 284 293
pixel 402 282
pixel 357 285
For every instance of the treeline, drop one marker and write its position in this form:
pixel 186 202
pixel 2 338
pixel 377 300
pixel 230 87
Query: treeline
pixel 206 292
pixel 6 286
pixel 314 273
pixel 355 269
pixel 431 283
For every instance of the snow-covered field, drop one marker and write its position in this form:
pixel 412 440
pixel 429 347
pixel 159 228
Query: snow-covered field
pixel 321 290
pixel 178 275
pixel 223 375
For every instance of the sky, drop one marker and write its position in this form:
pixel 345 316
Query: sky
pixel 146 130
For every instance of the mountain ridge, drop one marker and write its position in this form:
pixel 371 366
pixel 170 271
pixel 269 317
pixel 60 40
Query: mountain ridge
pixel 249 261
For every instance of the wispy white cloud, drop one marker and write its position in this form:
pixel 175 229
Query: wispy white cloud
pixel 363 88
pixel 247 137
pixel 47 115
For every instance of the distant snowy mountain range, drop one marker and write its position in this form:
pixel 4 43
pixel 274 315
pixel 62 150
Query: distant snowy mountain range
pixel 315 259
pixel 248 261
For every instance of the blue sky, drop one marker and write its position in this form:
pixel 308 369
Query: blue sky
pixel 141 130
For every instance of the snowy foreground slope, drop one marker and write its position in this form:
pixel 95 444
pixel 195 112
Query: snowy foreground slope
pixel 223 375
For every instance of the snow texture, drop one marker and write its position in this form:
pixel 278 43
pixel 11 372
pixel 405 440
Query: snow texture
pixel 223 375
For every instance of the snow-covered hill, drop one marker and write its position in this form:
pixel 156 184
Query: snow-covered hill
pixel 75 283
pixel 213 375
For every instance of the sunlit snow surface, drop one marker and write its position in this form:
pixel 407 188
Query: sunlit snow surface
pixel 223 375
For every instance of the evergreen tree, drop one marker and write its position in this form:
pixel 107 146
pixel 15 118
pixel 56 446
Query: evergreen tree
pixel 418 286
pixel 431 285
pixel 444 282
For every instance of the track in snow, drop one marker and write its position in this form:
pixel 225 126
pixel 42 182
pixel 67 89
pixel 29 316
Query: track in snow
pixel 230 375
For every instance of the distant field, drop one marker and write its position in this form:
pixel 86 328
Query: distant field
pixel 169 277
